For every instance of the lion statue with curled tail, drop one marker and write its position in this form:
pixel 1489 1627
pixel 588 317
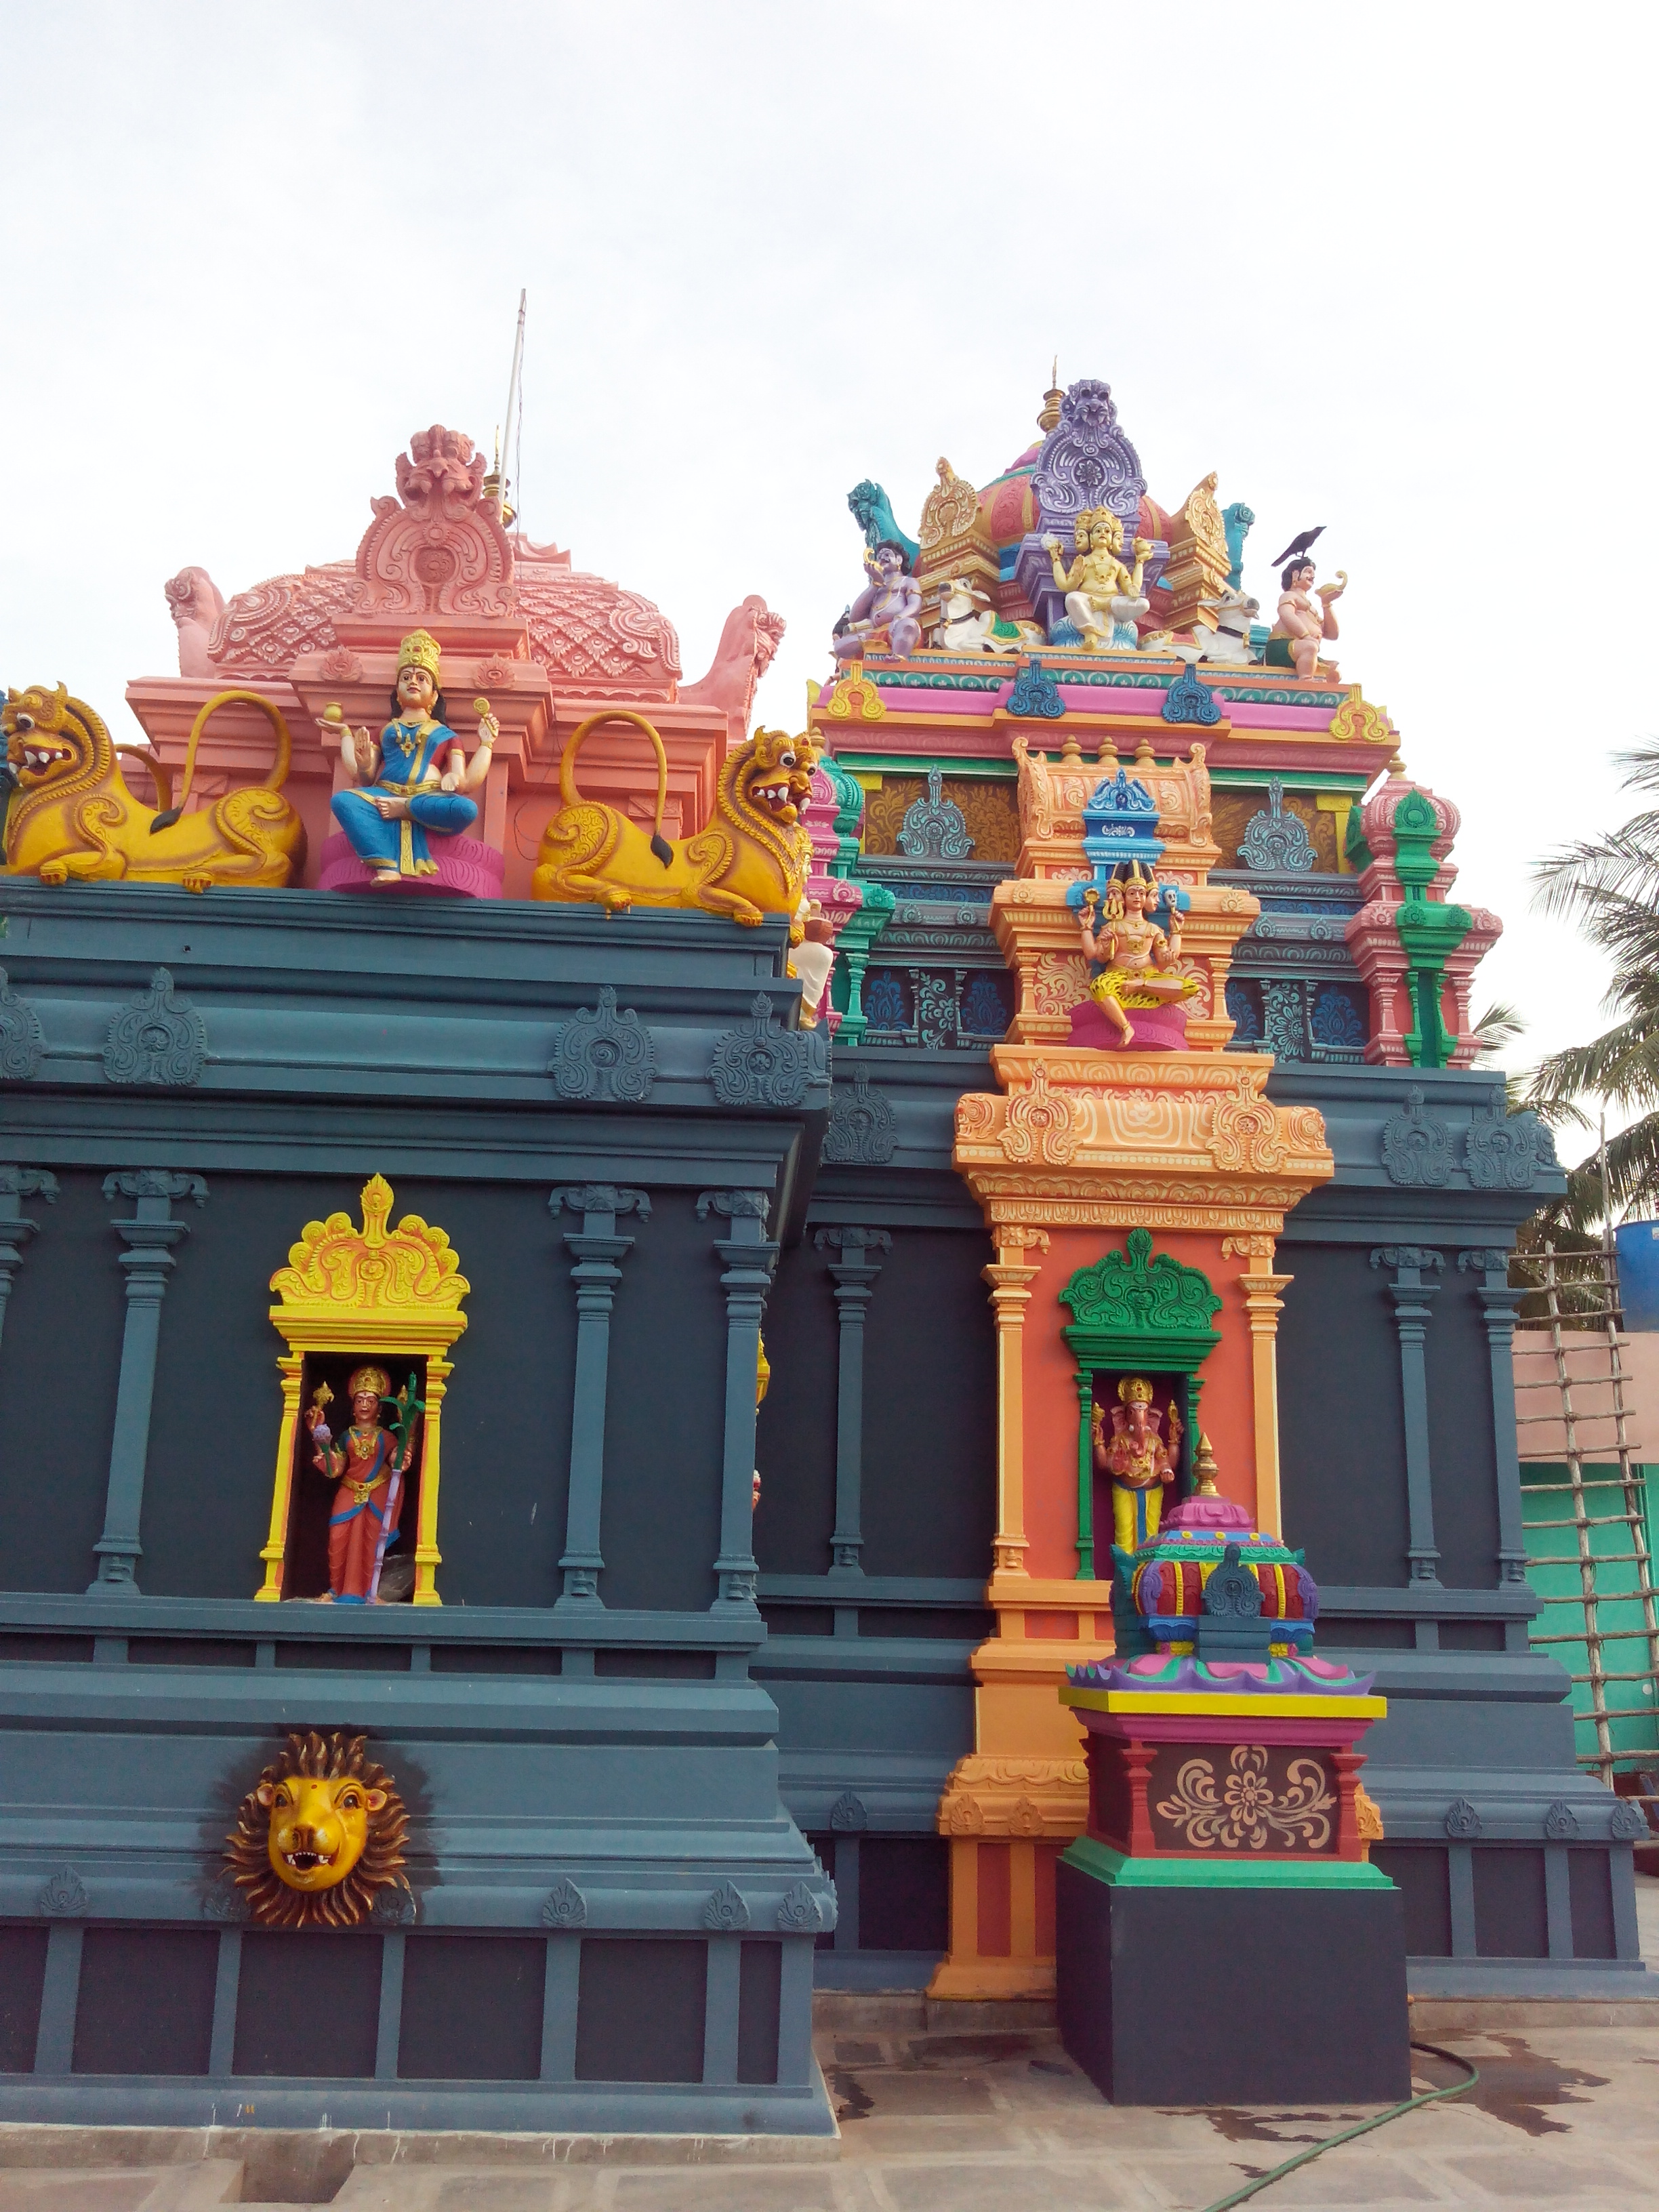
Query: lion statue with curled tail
pixel 72 819
pixel 319 1836
pixel 752 858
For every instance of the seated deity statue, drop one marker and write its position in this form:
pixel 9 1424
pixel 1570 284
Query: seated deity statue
pixel 1140 1464
pixel 1295 638
pixel 1131 960
pixel 414 778
pixel 1104 596
pixel 889 608
pixel 370 1462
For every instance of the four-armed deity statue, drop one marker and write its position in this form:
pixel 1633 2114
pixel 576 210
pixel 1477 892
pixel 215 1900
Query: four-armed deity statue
pixel 370 1463
pixel 1102 595
pixel 414 778
pixel 1138 1460
pixel 1131 961
pixel 890 605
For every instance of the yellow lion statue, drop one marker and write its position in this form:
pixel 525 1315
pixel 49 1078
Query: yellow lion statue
pixel 752 858
pixel 319 1835
pixel 72 819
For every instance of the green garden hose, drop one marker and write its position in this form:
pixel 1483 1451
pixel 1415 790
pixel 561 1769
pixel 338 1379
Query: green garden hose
pixel 1428 2097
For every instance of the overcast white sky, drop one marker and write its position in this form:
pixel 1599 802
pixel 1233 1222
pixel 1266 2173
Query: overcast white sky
pixel 1389 268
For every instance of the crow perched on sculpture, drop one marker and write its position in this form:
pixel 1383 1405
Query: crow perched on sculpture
pixel 1302 543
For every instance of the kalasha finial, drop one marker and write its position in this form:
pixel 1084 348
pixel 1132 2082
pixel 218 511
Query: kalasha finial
pixel 1204 1467
pixel 1049 419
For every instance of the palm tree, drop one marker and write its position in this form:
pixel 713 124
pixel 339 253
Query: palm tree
pixel 1610 886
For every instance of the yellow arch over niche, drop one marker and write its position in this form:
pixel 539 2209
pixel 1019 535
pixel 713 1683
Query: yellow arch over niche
pixel 372 1290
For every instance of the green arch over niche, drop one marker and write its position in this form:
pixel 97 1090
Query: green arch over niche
pixel 1134 1309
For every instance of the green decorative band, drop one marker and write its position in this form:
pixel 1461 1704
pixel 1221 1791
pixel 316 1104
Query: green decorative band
pixel 1256 778
pixel 919 764
pixel 1103 1864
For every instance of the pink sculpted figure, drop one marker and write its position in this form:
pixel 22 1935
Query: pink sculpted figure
pixel 1295 639
pixel 891 601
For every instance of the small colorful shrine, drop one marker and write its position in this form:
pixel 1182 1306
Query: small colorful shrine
pixel 684 1361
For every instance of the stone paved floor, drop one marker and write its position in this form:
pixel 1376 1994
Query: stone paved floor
pixel 1565 2116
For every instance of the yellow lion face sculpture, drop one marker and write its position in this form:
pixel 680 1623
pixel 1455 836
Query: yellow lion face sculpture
pixel 72 818
pixel 318 1835
pixel 751 859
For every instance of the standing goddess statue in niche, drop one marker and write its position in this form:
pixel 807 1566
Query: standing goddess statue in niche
pixel 1131 960
pixel 370 1462
pixel 415 778
pixel 1136 1459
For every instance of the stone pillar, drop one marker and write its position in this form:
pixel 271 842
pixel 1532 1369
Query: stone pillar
pixel 15 1227
pixel 147 1263
pixel 854 1274
pixel 1262 1304
pixel 1499 1304
pixel 1412 1296
pixel 1010 1281
pixel 749 1259
pixel 597 1249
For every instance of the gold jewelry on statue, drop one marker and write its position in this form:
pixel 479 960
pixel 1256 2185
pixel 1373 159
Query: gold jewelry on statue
pixel 1135 1389
pixel 420 649
pixel 370 1379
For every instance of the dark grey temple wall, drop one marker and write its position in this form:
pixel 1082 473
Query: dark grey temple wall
pixel 614 1916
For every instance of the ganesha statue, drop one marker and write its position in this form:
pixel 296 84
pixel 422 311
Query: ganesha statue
pixel 320 1836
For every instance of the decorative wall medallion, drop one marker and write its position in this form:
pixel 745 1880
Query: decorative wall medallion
pixel 763 1064
pixel 861 1132
pixel 21 1040
pixel 1416 1149
pixel 1041 1125
pixel 1501 1151
pixel 1274 840
pixel 848 1815
pixel 1190 699
pixel 318 1835
pixel 725 1909
pixel 155 1182
pixel 935 828
pixel 1461 1821
pixel 603 1054
pixel 1036 693
pixel 157 1038
pixel 1247 1806
pixel 394 1908
pixel 798 1911
pixel 63 1895
pixel 1560 1822
pixel 224 1902
pixel 566 1906
pixel 1132 1291
pixel 1628 1824
pixel 341 666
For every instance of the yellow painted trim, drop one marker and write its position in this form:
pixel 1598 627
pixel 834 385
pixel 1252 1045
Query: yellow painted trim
pixel 1248 1704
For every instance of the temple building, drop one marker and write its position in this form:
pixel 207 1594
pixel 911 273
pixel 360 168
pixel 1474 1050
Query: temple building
pixel 683 1361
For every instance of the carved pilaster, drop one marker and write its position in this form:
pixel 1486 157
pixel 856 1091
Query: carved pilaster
pixel 1498 1305
pixel 147 1263
pixel 15 1226
pixel 598 1251
pixel 855 1273
pixel 1009 1277
pixel 1412 1296
pixel 748 1258
pixel 1260 1290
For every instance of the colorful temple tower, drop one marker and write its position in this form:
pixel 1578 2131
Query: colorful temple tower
pixel 628 1315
